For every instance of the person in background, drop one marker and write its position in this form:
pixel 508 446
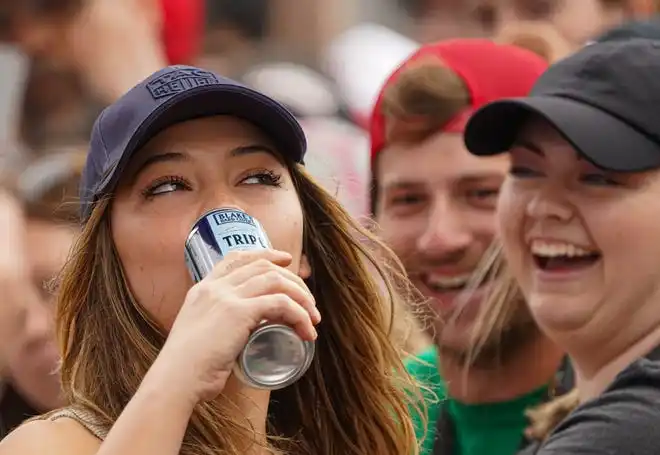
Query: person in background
pixel 13 275
pixel 110 44
pixel 554 28
pixel 46 190
pixel 578 217
pixel 434 204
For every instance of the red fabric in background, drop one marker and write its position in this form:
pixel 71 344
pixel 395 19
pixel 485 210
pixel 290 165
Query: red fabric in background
pixel 183 29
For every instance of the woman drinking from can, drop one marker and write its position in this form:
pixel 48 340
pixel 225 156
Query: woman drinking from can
pixel 147 356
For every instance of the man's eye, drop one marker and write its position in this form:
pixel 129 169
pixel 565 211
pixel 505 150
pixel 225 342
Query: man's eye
pixel 406 199
pixel 483 198
pixel 483 193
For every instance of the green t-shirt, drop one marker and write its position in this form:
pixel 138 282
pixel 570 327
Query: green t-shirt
pixel 493 429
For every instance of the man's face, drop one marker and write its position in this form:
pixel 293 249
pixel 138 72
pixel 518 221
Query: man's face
pixel 571 22
pixel 435 208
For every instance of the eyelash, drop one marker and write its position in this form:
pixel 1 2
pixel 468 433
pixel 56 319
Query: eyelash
pixel 148 192
pixel 521 172
pixel 266 176
pixel 269 177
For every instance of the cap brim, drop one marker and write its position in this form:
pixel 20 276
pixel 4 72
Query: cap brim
pixel 599 137
pixel 233 100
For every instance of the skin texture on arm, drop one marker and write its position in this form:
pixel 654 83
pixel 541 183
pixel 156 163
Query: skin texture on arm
pixel 154 422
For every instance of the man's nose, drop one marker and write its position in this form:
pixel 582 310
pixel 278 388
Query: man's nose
pixel 445 231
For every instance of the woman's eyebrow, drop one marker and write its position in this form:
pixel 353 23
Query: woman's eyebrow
pixel 157 158
pixel 529 146
pixel 255 148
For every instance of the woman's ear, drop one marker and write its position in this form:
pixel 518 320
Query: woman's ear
pixel 305 269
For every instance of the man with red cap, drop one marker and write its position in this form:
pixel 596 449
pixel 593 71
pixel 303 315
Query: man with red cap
pixel 434 203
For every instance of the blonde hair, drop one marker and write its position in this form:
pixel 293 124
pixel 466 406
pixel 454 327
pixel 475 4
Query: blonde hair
pixel 501 303
pixel 354 400
pixel 497 311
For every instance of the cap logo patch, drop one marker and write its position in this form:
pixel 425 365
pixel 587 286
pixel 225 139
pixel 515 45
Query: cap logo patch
pixel 180 80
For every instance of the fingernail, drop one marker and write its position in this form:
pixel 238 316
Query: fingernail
pixel 317 315
pixel 315 333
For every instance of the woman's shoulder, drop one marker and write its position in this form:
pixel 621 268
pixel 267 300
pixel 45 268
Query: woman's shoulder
pixel 55 437
pixel 623 419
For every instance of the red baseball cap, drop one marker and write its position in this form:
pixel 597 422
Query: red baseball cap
pixel 183 28
pixel 490 71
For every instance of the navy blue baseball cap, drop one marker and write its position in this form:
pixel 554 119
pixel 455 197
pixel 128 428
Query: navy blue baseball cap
pixel 173 95
pixel 603 100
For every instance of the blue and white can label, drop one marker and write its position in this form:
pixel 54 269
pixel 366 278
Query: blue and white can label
pixel 216 234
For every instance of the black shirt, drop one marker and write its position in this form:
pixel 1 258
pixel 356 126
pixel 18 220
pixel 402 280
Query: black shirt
pixel 623 420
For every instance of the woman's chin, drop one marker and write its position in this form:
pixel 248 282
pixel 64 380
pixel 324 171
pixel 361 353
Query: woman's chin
pixel 556 315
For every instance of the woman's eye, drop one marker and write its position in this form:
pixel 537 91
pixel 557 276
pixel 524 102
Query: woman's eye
pixel 598 180
pixel 166 185
pixel 523 172
pixel 263 178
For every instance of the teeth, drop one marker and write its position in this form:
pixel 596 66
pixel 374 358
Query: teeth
pixel 540 248
pixel 441 281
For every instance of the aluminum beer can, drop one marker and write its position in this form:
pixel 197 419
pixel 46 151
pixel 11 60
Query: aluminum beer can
pixel 274 356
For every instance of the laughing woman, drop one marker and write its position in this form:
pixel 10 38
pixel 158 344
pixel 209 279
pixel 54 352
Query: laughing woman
pixel 147 356
pixel 579 218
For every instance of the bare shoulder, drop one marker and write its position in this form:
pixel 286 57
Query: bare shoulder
pixel 55 437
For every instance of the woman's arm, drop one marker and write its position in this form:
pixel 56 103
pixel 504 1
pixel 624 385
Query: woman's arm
pixel 154 422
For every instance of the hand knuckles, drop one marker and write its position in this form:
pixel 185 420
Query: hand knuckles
pixel 264 264
pixel 232 306
pixel 273 279
pixel 281 300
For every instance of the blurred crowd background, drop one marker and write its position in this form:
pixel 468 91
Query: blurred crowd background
pixel 62 61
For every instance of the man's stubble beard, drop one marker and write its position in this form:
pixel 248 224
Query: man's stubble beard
pixel 496 352
pixel 500 347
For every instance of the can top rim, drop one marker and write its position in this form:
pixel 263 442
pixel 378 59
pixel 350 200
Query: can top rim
pixel 217 210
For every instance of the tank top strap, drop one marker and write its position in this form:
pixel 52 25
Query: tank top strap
pixel 84 417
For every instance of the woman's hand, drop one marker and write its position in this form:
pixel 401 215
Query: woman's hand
pixel 221 311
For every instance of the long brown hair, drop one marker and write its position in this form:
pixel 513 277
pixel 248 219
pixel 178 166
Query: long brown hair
pixel 354 400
